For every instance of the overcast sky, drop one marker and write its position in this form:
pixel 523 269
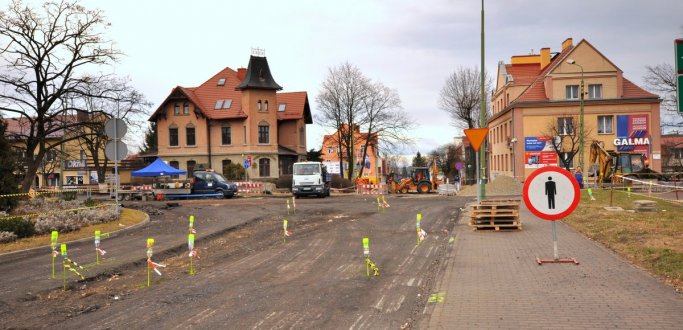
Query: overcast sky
pixel 411 46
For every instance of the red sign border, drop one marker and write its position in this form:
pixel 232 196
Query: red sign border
pixel 551 217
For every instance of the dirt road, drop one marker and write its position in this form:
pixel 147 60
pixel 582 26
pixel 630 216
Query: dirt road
pixel 247 277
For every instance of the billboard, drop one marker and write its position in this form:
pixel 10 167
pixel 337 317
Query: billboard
pixel 633 134
pixel 539 152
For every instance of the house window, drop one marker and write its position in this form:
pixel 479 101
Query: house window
pixel 190 167
pixel 51 155
pixel 221 82
pixel 258 105
pixel 186 108
pixel 572 92
pixel 265 105
pixel 678 153
pixel 302 136
pixel 173 136
pixel 226 137
pixel 282 107
pixel 330 150
pixel 264 167
pixel 225 164
pixel 263 134
pixel 175 164
pixel 594 91
pixel 189 132
pixel 176 109
pixel 219 104
pixel 605 124
pixel 565 126
pixel 227 104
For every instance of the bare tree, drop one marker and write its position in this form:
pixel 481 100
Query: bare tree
pixel 383 119
pixel 565 135
pixel 340 101
pixel 461 97
pixel 44 56
pixel 661 79
pixel 446 156
pixel 351 103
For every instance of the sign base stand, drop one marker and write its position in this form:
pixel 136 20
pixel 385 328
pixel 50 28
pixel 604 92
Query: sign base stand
pixel 557 261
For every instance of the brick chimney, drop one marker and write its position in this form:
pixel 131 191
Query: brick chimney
pixel 567 43
pixel 241 73
pixel 545 57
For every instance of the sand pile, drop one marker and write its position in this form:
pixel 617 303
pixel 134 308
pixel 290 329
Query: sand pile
pixel 501 186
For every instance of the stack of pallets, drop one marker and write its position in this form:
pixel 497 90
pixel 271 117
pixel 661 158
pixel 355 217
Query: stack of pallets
pixel 495 214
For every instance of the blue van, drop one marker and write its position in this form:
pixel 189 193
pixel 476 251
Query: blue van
pixel 210 182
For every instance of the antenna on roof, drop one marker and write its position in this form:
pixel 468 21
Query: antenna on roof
pixel 260 52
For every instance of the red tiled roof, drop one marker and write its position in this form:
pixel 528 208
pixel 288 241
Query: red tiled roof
pixel 632 91
pixel 205 96
pixel 295 105
pixel 536 92
pixel 523 74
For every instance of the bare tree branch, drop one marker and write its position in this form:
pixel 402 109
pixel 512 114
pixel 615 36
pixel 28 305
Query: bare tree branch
pixel 461 97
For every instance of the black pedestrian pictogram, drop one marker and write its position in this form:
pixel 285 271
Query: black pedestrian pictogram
pixel 550 191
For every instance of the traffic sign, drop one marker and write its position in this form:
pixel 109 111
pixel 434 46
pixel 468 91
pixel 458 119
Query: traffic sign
pixel 116 150
pixel 458 166
pixel 551 193
pixel 246 163
pixel 476 136
pixel 115 128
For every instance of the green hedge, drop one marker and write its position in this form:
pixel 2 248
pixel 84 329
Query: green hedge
pixel 18 226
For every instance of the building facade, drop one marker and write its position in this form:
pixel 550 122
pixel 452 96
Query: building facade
pixel 234 117
pixel 372 164
pixel 537 99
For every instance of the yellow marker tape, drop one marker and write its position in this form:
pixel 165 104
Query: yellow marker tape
pixel 44 192
pixel 75 271
pixel 54 212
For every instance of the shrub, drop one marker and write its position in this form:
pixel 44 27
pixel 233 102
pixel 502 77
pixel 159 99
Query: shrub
pixel 6 237
pixel 69 195
pixel 339 182
pixel 234 172
pixel 18 226
pixel 284 181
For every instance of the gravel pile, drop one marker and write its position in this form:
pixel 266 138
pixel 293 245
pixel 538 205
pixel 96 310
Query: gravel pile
pixel 501 186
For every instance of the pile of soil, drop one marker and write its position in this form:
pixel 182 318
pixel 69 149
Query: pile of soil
pixel 501 186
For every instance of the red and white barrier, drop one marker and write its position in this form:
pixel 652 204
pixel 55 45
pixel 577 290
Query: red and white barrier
pixel 249 187
pixel 372 189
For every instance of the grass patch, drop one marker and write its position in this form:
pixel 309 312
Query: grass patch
pixel 128 218
pixel 651 240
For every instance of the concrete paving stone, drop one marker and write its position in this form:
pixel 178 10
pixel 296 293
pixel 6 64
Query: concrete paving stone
pixel 492 281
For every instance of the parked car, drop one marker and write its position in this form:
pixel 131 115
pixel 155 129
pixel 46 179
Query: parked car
pixel 210 182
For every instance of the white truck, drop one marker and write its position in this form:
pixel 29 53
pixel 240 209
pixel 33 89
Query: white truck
pixel 310 178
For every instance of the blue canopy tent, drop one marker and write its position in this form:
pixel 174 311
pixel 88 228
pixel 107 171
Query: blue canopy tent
pixel 158 168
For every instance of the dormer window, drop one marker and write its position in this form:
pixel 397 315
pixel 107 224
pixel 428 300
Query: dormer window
pixel 227 104
pixel 221 82
pixel 258 105
pixel 186 108
pixel 219 104
pixel 282 107
pixel 176 109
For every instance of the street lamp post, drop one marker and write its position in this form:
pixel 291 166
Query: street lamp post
pixel 581 133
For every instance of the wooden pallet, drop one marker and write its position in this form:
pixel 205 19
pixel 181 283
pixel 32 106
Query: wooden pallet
pixel 496 215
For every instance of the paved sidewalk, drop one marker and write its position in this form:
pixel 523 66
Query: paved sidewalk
pixel 492 280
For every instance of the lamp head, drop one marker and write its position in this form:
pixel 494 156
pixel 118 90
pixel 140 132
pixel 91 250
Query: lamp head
pixel 570 61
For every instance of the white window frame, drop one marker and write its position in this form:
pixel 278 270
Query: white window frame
pixel 572 92
pixel 602 124
pixel 592 89
pixel 565 125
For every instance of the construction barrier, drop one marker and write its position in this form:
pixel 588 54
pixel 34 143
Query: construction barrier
pixel 249 187
pixel 371 189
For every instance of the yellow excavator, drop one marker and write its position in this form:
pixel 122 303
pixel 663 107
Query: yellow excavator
pixel 612 165
pixel 420 181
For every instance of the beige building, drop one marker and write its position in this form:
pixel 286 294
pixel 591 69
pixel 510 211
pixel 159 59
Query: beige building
pixel 234 117
pixel 539 94
pixel 330 154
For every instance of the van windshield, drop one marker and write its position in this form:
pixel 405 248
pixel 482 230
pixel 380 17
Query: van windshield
pixel 306 169
pixel 219 178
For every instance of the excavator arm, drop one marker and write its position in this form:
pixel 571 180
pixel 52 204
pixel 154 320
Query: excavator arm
pixel 604 159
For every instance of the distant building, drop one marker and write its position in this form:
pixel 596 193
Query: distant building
pixel 330 154
pixel 233 117
pixel 536 91
pixel 672 153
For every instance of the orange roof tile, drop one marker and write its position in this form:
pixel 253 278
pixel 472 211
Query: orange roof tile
pixel 632 91
pixel 205 96
pixel 523 74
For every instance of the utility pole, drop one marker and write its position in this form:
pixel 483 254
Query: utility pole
pixel 482 114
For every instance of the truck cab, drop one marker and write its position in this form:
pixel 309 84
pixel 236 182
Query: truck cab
pixel 210 182
pixel 310 179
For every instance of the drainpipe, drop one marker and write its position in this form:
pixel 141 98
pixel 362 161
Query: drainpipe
pixel 208 135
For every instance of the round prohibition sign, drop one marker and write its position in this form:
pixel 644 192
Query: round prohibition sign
pixel 551 193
